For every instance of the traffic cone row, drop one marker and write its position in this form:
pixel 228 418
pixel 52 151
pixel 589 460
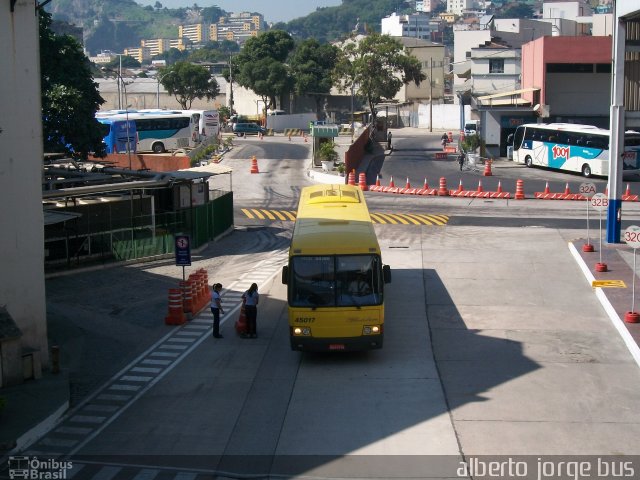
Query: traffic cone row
pixel 192 296
pixel 567 195
pixel 479 191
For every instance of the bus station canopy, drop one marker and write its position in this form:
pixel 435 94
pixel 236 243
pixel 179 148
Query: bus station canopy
pixel 324 131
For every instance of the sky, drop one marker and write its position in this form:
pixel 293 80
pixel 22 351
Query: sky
pixel 272 10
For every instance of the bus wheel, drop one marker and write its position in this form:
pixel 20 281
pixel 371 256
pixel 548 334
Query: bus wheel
pixel 158 147
pixel 586 171
pixel 528 161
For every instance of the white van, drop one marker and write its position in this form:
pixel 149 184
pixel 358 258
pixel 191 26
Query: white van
pixel 472 127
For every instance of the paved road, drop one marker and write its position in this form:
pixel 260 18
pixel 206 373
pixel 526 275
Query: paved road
pixel 496 345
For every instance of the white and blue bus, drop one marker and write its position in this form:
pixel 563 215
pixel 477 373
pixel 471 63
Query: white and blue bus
pixel 163 130
pixel 572 148
pixel 119 135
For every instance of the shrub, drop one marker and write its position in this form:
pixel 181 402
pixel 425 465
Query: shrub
pixel 471 143
pixel 327 152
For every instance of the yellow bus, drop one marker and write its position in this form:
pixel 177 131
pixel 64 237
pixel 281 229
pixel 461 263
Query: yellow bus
pixel 335 277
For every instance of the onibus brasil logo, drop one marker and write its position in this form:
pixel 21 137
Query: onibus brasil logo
pixel 33 468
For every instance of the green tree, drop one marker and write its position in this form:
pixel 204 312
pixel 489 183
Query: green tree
pixel 376 67
pixel 70 97
pixel 127 62
pixel 187 82
pixel 311 67
pixel 516 10
pixel 260 65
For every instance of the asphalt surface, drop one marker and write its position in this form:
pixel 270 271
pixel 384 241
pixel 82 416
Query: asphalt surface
pixel 98 333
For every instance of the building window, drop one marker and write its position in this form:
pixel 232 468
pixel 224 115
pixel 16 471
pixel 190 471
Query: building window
pixel 496 65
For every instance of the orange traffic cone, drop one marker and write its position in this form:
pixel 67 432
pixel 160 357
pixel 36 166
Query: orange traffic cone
pixel 391 184
pixel 426 184
pixel 499 190
pixel 352 178
pixel 480 186
pixel 546 188
pixel 627 191
pixel 442 190
pixel 567 191
pixel 460 186
pixel 487 168
pixel 377 180
pixel 254 165
pixel 362 182
pixel 408 185
pixel 519 190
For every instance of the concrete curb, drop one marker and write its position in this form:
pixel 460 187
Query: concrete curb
pixel 617 322
pixel 39 429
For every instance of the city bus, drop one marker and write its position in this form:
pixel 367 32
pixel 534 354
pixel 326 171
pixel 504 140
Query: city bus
pixel 335 276
pixel 572 147
pixel 116 133
pixel 161 130
pixel 208 122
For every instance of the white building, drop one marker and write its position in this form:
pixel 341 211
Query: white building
pixel 416 25
pixel 426 6
pixel 459 6
pixel 568 18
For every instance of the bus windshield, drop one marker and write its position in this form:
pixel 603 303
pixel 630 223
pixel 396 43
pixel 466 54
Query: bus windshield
pixel 336 281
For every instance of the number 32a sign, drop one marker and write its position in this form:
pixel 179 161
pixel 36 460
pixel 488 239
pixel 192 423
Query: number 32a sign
pixel 632 236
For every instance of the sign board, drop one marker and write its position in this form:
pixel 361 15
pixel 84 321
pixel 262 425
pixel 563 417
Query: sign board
pixel 587 189
pixel 632 236
pixel 600 202
pixel 183 250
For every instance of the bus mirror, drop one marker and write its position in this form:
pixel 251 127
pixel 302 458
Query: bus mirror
pixel 285 274
pixel 386 273
pixel 510 139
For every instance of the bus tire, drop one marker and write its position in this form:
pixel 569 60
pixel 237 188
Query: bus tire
pixel 528 161
pixel 158 147
pixel 586 171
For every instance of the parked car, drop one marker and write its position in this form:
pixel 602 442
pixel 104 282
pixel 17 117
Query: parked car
pixel 241 129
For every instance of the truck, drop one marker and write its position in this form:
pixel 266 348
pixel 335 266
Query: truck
pixel 472 127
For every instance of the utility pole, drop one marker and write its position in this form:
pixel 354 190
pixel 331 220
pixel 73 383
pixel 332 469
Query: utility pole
pixel 430 94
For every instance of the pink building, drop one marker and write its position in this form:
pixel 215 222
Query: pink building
pixel 573 75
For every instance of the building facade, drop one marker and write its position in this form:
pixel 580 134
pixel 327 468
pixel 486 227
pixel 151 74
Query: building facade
pixel 416 25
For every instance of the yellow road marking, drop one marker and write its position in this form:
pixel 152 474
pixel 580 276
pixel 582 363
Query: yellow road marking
pixel 608 284
pixel 381 218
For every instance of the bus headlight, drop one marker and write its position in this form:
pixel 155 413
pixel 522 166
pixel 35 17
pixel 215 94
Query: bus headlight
pixel 371 330
pixel 302 331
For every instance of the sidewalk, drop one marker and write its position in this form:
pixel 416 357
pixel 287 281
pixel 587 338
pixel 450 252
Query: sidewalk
pixel 615 299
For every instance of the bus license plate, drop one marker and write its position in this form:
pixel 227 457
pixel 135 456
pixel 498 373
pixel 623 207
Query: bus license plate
pixel 336 346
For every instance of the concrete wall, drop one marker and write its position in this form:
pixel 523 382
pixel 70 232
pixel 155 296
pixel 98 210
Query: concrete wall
pixel 22 286
pixel 445 116
pixel 157 163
